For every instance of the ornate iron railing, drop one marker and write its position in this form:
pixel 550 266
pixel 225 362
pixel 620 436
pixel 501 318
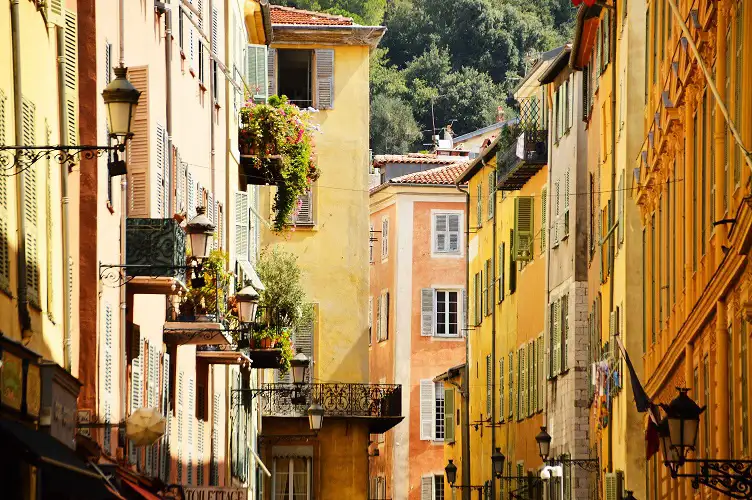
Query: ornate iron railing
pixel 338 400
pixel 208 306
pixel 158 245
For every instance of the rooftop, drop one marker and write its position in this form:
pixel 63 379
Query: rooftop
pixel 413 158
pixel 292 16
pixel 438 176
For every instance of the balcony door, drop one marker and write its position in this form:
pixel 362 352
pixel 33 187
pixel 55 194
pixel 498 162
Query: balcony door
pixel 292 478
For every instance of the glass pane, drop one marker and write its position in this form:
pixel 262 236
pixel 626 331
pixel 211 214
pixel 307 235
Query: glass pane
pixel 453 313
pixel 281 479
pixel 300 479
pixel 441 306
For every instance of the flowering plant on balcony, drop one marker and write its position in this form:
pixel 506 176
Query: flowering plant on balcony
pixel 207 293
pixel 277 137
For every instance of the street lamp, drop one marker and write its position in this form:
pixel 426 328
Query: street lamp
pixel 451 472
pixel 497 461
pixel 121 99
pixel 544 443
pixel 669 453
pixel 683 416
pixel 629 496
pixel 200 230
pixel 299 364
pixel 248 300
pixel 315 416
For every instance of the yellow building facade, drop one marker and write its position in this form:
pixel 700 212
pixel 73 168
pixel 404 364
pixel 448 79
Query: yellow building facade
pixel 692 181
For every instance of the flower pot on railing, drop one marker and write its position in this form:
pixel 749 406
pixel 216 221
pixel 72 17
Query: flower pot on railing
pixel 267 343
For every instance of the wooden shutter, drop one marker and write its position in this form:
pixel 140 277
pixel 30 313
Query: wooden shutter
pixel 510 368
pixel 70 76
pixel 31 208
pixel 491 189
pixel 564 331
pixel 541 374
pixel 271 68
pixel 160 171
pixel 384 238
pixel 138 148
pixel 325 78
pixel 532 379
pixel 385 324
pixel 489 384
pixel 214 468
pixel 621 208
pixel 107 372
pixel 4 232
pixel 524 365
pixel 479 204
pixel 426 488
pixel 304 212
pixel 257 75
pixel 303 340
pixel 501 388
pixel 556 338
pixel 427 312
pixel 512 265
pixel 611 490
pixel 523 228
pixel 427 409
pixel 378 317
pixel 449 415
pixel 440 231
pixel 453 221
pixel 544 224
pixel 502 260
pixel 370 320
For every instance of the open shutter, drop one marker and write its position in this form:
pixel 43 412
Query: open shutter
pixel 532 378
pixel 523 228
pixel 370 320
pixel 385 324
pixel 257 75
pixel 440 232
pixel 449 415
pixel 160 171
pixel 378 318
pixel 303 341
pixel 325 78
pixel 621 208
pixel 556 352
pixel 453 220
pixel 501 388
pixel 489 385
pixel 30 207
pixel 510 369
pixel 427 409
pixel 71 76
pixel 4 232
pixel 523 382
pixel 55 12
pixel 426 312
pixel 271 67
pixel 138 148
pixel 541 374
pixel 491 190
pixel 426 488
pixel 544 224
pixel 611 489
pixel 304 212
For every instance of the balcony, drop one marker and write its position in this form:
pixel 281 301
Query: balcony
pixel 518 162
pixel 379 404
pixel 243 348
pixel 155 255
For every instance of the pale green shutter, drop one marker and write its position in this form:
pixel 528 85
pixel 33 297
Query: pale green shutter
pixel 511 383
pixel 30 207
pixel 491 188
pixel 501 388
pixel 325 78
pixel 564 328
pixel 479 204
pixel 256 71
pixel 271 68
pixel 427 312
pixel 523 228
pixel 544 226
pixel 489 383
pixel 449 415
pixel 556 338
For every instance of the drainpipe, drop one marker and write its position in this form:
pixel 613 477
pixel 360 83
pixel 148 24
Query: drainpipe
pixel 212 133
pixel 123 222
pixel 466 407
pixel 67 353
pixel 611 239
pixel 492 294
pixel 23 299
pixel 164 9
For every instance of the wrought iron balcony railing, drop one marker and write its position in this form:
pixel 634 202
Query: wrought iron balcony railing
pixel 156 244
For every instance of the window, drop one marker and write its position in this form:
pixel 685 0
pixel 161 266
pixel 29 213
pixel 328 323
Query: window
pixel 489 385
pixel 491 191
pixel 382 317
pixel 479 205
pixel 303 212
pixel 384 238
pixel 512 267
pixel 432 423
pixel 447 233
pixel 432 487
pixel 292 478
pixel 439 412
pixel 438 487
pixel 295 70
pixel 440 312
pixel 706 401
pixel 201 75
pixel 744 385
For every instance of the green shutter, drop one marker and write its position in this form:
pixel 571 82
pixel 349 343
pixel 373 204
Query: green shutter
pixel 449 415
pixel 491 189
pixel 256 72
pixel 523 228
pixel 479 204
pixel 544 226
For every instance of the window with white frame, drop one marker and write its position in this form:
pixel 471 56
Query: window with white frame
pixel 432 487
pixel 440 312
pixel 431 410
pixel 447 233
pixel 384 237
pixel 292 478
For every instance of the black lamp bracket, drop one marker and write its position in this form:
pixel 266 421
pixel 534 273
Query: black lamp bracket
pixel 732 478
pixel 16 159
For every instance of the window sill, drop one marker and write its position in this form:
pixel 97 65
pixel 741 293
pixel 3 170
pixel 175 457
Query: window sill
pixel 312 226
pixel 447 338
pixel 435 254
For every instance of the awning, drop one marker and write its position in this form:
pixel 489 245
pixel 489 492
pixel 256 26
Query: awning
pixel 140 490
pixel 64 475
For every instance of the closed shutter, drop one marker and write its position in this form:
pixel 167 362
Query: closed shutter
pixel 191 411
pixel 304 211
pixel 137 384
pixel 385 322
pixel 303 340
pixel 107 372
pixel 4 231
pixel 384 238
pixel 531 379
pixel 427 409
pixel 556 363
pixel 426 488
pixel 214 473
pixel 180 410
pixel 523 228
pixel 564 327
pixel 30 207
pixel 489 384
pixel 454 232
pixel 427 312
pixel 70 77
pixel 523 382
pixel 271 68
pixel 378 317
pixel 479 205
pixel 565 222
pixel 55 12
pixel 510 368
pixel 160 172
pixel 165 458
pixel 502 263
pixel 325 78
pixel 256 71
pixel 611 490
pixel 180 188
pixel 440 232
pixel 501 388
pixel 449 415
pixel 190 194
pixel 491 189
pixel 138 147
pixel 541 374
pixel 544 224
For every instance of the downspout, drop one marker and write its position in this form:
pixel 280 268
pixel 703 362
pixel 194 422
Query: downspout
pixel 23 299
pixel 212 132
pixel 466 407
pixel 611 242
pixel 123 222
pixel 492 294
pixel 67 353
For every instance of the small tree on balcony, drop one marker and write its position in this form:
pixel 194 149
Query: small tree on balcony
pixel 284 299
pixel 277 138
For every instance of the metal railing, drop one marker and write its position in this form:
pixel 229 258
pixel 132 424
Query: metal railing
pixel 157 244
pixel 338 400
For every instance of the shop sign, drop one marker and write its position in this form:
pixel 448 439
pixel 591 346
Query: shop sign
pixel 215 493
pixel 11 381
pixel 33 390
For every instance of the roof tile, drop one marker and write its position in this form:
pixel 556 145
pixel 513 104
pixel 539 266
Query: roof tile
pixel 290 15
pixel 445 175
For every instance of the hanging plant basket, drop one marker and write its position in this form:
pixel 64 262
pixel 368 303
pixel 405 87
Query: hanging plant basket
pixel 276 144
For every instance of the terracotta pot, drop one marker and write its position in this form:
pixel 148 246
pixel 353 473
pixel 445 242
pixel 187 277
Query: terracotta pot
pixel 267 343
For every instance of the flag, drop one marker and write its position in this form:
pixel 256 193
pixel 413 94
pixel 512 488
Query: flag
pixel 652 436
pixel 642 401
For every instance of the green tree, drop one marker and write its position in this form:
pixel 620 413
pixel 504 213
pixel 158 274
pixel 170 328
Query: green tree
pixel 393 126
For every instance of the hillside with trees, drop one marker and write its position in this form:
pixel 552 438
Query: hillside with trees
pixel 448 61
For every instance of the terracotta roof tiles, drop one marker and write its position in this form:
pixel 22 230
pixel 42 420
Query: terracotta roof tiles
pixel 445 175
pixel 290 15
pixel 412 158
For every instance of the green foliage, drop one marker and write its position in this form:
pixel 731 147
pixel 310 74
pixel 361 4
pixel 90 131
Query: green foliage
pixel 284 300
pixel 283 130
pixel 393 126
pixel 465 56
pixel 205 299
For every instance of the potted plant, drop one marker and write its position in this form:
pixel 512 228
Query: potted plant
pixel 288 351
pixel 276 143
pixel 208 299
pixel 266 338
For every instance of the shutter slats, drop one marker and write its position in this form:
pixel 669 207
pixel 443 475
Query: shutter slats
pixel 523 228
pixel 426 312
pixel 427 409
pixel 138 147
pixel 449 415
pixel 544 224
pixel 257 76
pixel 271 71
pixel 325 78
pixel 70 51
pixel 241 225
